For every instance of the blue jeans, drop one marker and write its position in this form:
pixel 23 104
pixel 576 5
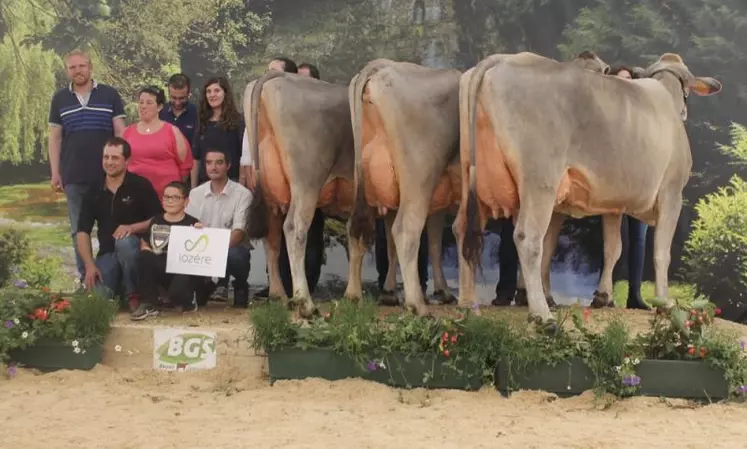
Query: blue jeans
pixel 121 265
pixel 75 194
pixel 636 255
pixel 238 265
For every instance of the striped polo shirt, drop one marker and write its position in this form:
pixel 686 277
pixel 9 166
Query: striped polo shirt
pixel 86 122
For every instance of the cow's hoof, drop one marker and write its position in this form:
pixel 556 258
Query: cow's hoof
pixel 501 301
pixel 307 310
pixel 388 298
pixel 548 327
pixel 551 302
pixel 601 300
pixel 417 309
pixel 521 299
pixel 444 297
pixel 534 318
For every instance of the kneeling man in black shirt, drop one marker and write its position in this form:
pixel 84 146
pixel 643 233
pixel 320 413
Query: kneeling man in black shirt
pixel 153 250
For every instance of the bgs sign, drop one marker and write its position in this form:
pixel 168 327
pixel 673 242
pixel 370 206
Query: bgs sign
pixel 198 252
pixel 183 349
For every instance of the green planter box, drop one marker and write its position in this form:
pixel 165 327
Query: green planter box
pixel 46 355
pixel 567 378
pixel 425 371
pixel 681 379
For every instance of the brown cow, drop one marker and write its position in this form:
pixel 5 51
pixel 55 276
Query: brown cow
pixel 406 127
pixel 551 141
pixel 301 141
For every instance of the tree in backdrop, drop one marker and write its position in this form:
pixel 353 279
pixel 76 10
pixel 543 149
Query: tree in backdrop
pixel 28 74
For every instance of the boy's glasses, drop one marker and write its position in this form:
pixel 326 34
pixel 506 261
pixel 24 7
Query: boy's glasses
pixel 168 198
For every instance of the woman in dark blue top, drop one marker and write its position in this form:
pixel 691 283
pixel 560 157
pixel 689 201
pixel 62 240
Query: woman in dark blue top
pixel 220 127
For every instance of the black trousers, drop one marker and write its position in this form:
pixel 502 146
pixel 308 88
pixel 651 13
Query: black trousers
pixel 152 274
pixel 382 259
pixel 508 259
pixel 313 258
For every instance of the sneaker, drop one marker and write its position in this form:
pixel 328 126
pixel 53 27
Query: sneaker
pixel 133 301
pixel 144 311
pixel 220 294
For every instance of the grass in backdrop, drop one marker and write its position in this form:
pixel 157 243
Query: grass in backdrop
pixel 32 202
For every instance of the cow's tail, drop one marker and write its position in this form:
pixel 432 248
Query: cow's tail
pixel 257 219
pixel 472 244
pixel 362 224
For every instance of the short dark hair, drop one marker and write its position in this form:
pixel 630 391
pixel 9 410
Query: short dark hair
pixel 155 91
pixel 313 71
pixel 180 186
pixel 219 150
pixel 180 81
pixel 289 65
pixel 120 142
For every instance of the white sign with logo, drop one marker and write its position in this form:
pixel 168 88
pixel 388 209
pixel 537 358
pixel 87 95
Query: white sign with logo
pixel 183 349
pixel 199 252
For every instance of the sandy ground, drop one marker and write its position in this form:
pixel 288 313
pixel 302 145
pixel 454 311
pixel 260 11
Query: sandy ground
pixel 231 407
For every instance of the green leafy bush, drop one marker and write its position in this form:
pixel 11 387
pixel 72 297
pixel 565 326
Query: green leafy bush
pixel 39 272
pixel 716 251
pixel 14 249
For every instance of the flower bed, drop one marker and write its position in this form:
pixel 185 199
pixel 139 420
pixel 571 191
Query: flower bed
pixel 681 355
pixel 49 331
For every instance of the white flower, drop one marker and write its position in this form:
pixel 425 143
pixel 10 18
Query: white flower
pixel 381 365
pixel 17 321
pixel 626 361
pixel 118 348
pixel 76 350
pixel 636 362
pixel 83 352
pixel 25 334
pixel 617 368
pixel 75 343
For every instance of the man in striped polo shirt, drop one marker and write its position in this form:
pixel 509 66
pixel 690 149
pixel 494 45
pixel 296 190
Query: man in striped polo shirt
pixel 82 116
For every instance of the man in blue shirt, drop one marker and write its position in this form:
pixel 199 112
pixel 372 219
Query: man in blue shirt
pixel 180 112
pixel 82 116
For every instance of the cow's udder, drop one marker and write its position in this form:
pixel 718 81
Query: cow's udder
pixel 496 187
pixel 382 189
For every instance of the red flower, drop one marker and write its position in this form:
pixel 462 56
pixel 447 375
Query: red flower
pixel 40 314
pixel 717 311
pixel 703 352
pixel 587 313
pixel 445 336
pixel 453 339
pixel 61 305
pixel 46 289
pixel 691 351
pixel 446 353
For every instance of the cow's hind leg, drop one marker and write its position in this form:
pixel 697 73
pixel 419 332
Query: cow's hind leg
pixel 388 296
pixel 356 250
pixel 296 227
pixel 532 224
pixel 669 205
pixel 612 250
pixel 549 245
pixel 272 254
pixel 407 228
pixel 435 230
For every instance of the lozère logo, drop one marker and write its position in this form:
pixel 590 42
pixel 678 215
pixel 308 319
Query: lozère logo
pixel 198 245
pixel 185 350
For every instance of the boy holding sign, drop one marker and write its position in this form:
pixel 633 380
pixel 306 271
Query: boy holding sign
pixel 153 250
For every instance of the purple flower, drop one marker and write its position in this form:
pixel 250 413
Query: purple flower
pixel 20 283
pixel 631 381
pixel 742 389
pixel 741 345
pixel 11 371
pixel 9 324
pixel 372 365
pixel 476 307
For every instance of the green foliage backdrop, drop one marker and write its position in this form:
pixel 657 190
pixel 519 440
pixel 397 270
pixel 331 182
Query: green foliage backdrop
pixel 139 41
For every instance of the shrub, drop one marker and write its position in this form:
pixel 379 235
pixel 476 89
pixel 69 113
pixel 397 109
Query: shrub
pixel 716 251
pixel 14 249
pixel 39 272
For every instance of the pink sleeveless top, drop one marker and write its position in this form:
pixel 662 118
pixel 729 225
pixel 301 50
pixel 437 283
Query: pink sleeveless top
pixel 155 156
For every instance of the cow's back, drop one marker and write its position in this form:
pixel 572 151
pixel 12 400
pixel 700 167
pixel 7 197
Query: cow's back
pixel 618 139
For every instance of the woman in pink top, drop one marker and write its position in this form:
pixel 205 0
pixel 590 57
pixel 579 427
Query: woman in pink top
pixel 160 153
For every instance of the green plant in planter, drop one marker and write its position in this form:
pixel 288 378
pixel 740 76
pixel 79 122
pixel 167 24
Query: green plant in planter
pixel 29 316
pixel 611 355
